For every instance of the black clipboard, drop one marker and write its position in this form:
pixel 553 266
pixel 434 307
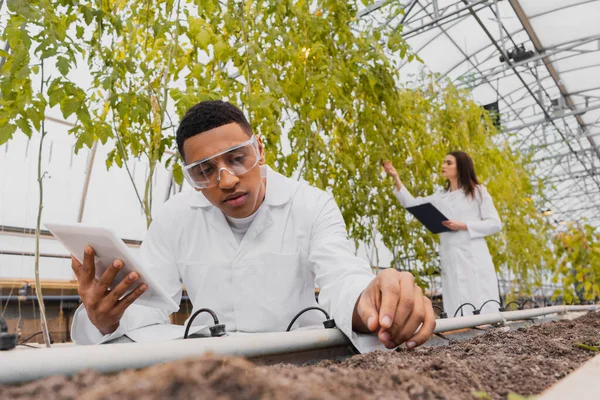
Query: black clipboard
pixel 429 216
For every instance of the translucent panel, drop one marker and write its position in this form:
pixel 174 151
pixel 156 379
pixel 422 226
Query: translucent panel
pixel 535 7
pixel 63 183
pixel 558 27
pixel 485 94
pixel 21 265
pixel 440 54
pixel 578 61
pixel 462 69
pixel 584 78
pixel 442 4
pixel 592 118
pixel 508 18
pixel 422 40
pixel 463 35
pixel 110 200
pixel 511 83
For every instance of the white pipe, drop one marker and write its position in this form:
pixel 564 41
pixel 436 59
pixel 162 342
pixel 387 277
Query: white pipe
pixel 26 365
pixel 451 324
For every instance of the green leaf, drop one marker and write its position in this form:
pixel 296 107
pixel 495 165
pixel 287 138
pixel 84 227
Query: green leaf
pixel 80 32
pixel 35 118
pixel 88 16
pixel 178 173
pixel 203 38
pixel 6 132
pixel 69 106
pixel 63 65
pixel 24 126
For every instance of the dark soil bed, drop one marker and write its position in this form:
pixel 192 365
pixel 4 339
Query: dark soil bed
pixel 525 361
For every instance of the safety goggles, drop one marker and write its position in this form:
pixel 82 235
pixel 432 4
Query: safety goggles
pixel 236 160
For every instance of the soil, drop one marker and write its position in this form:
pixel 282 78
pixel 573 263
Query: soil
pixel 525 361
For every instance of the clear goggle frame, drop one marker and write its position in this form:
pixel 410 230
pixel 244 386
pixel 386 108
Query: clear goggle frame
pixel 236 160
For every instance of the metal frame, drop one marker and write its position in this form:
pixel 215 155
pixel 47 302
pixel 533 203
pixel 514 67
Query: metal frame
pixel 563 144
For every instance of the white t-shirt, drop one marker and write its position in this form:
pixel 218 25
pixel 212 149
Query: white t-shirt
pixel 239 226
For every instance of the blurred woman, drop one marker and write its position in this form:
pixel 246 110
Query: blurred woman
pixel 468 274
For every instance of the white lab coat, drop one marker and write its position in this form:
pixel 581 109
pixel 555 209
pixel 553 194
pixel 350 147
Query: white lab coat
pixel 297 239
pixel 468 273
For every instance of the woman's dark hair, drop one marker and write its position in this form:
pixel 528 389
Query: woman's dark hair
pixel 467 180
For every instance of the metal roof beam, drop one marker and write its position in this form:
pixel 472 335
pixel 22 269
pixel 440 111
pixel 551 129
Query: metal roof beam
pixel 544 53
pixel 594 207
pixel 553 118
pixel 489 35
pixel 562 7
pixel 570 153
pixel 444 32
pixel 514 91
pixel 541 146
pixel 586 134
pixel 435 21
pixel 553 72
pixel 574 196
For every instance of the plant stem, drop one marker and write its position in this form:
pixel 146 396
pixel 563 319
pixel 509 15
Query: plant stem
pixel 125 158
pixel 153 156
pixel 38 285
pixel 148 194
pixel 247 59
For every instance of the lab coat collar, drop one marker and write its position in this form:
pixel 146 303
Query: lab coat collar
pixel 280 190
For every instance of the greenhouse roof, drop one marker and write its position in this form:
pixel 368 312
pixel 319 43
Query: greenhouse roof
pixel 538 62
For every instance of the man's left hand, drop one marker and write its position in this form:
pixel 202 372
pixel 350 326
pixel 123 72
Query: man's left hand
pixel 394 306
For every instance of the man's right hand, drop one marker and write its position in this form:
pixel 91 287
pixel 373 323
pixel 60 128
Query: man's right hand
pixel 104 307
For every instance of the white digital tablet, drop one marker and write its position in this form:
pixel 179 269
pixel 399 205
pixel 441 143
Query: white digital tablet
pixel 109 247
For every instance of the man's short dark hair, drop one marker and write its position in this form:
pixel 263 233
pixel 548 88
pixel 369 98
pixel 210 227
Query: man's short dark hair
pixel 208 115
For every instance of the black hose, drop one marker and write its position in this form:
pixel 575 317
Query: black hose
pixel 513 302
pixel 305 310
pixel 34 335
pixel 3 326
pixel 535 305
pixel 189 324
pixel 491 301
pixel 442 314
pixel 461 306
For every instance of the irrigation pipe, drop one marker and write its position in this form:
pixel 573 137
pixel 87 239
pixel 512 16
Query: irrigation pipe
pixel 451 324
pixel 26 365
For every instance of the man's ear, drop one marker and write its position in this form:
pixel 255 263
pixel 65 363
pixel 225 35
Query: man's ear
pixel 261 150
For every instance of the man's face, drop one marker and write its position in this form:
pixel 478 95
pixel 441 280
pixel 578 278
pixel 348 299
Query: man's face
pixel 236 196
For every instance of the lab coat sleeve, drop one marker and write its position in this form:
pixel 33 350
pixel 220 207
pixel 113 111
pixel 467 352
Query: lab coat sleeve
pixel 489 222
pixel 158 257
pixel 339 273
pixel 408 200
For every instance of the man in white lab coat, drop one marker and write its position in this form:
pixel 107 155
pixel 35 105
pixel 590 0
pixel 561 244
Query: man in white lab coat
pixel 250 244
